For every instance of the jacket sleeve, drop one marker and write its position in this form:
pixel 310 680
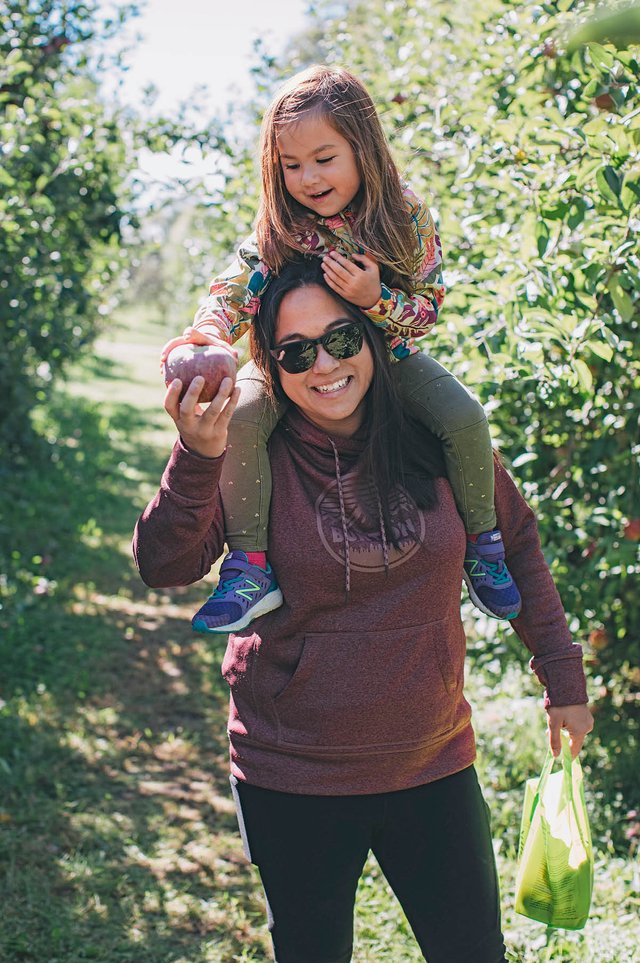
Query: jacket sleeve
pixel 234 296
pixel 180 534
pixel 542 625
pixel 412 316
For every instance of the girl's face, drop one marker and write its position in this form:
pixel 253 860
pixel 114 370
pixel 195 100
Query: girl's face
pixel 332 392
pixel 319 165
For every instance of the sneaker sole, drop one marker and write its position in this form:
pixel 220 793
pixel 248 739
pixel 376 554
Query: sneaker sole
pixel 483 608
pixel 273 600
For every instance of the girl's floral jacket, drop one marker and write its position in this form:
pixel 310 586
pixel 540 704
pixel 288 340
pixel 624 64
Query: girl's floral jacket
pixel 234 296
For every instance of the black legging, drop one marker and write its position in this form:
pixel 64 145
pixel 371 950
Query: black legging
pixel 433 844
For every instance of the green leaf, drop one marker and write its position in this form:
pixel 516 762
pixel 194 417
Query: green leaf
pixel 608 182
pixel 16 64
pixel 629 196
pixel 576 215
pixel 557 212
pixel 590 90
pixel 583 373
pixel 600 58
pixel 587 172
pixel 595 126
pixel 630 193
pixel 622 141
pixel 611 336
pixel 603 350
pixel 624 304
pixel 542 237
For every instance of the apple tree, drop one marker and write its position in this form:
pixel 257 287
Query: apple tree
pixel 64 165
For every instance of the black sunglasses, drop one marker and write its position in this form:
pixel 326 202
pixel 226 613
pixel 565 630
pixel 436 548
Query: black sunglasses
pixel 298 356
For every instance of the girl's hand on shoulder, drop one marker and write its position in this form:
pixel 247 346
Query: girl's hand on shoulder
pixel 577 720
pixel 210 336
pixel 356 280
pixel 203 430
pixel 196 336
pixel 170 345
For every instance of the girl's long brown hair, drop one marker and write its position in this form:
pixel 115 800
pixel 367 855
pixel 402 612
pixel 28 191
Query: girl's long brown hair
pixel 382 221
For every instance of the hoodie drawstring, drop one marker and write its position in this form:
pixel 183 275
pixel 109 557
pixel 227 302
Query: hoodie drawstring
pixel 343 519
pixel 345 531
pixel 383 534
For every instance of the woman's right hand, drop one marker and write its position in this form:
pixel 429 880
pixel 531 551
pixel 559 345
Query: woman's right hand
pixel 203 430
pixel 578 722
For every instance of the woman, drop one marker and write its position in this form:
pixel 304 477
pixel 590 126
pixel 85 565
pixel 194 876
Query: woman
pixel 348 726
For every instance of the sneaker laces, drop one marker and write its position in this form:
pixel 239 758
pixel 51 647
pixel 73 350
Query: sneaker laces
pixel 228 584
pixel 499 572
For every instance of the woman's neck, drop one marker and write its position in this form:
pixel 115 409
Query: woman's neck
pixel 343 428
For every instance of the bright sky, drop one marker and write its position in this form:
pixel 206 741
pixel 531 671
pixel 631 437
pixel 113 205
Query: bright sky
pixel 188 43
pixel 178 45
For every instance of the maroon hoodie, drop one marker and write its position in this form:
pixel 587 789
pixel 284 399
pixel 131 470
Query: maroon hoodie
pixel 354 685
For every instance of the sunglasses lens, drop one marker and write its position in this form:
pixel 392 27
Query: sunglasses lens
pixel 345 343
pixel 299 356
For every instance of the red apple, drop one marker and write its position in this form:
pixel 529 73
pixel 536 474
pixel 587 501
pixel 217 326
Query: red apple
pixel 605 102
pixel 598 639
pixel 632 530
pixel 208 360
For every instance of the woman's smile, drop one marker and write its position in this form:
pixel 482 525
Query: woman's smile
pixel 333 388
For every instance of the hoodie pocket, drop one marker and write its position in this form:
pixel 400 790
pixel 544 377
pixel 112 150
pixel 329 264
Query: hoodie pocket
pixel 372 690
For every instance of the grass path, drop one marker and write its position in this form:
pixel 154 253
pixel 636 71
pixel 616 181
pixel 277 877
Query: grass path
pixel 118 840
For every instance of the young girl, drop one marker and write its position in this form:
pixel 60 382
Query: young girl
pixel 330 188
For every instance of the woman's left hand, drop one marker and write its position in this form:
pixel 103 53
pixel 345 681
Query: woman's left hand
pixel 356 280
pixel 577 720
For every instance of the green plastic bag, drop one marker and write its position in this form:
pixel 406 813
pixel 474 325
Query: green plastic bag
pixel 555 857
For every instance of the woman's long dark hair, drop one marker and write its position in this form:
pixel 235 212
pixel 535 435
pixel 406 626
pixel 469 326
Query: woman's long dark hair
pixel 400 451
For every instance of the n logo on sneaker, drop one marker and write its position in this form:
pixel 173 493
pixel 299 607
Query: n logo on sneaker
pixel 250 588
pixel 476 569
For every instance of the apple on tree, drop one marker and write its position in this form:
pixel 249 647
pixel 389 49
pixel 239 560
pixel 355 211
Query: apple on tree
pixel 214 363
pixel 632 530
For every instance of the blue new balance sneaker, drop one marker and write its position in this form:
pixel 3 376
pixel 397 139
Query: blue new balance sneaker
pixel 244 592
pixel 491 587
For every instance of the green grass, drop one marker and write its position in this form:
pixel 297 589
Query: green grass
pixel 118 840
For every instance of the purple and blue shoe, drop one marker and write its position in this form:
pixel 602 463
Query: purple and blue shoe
pixel 491 587
pixel 244 592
